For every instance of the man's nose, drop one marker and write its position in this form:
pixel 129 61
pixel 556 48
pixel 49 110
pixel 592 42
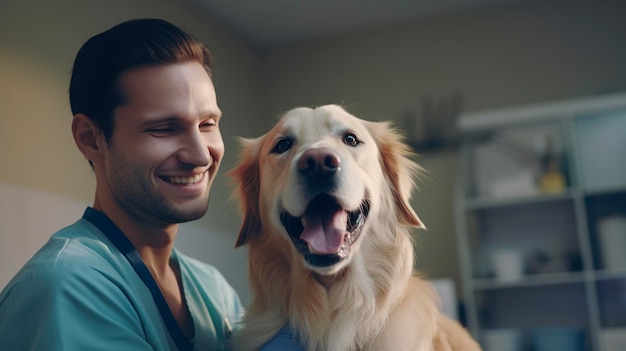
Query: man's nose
pixel 194 150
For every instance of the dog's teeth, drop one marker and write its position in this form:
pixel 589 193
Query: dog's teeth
pixel 344 250
pixel 359 221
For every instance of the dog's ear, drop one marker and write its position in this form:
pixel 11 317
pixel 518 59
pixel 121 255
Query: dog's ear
pixel 247 180
pixel 399 169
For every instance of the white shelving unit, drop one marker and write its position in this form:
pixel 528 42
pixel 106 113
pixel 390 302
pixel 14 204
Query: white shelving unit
pixel 543 254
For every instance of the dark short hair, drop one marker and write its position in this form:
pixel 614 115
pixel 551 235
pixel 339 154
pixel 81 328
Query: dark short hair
pixel 94 86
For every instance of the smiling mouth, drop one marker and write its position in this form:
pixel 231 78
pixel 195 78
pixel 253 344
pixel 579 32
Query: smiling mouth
pixel 184 180
pixel 325 232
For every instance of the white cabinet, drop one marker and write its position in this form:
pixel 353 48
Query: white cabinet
pixel 541 224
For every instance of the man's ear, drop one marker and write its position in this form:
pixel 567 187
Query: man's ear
pixel 87 137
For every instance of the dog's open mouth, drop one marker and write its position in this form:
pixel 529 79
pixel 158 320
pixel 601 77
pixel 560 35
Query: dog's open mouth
pixel 325 233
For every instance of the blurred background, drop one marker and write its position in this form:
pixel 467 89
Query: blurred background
pixel 427 65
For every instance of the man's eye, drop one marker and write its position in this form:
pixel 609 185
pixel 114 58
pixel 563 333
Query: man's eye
pixel 282 145
pixel 161 130
pixel 208 123
pixel 350 139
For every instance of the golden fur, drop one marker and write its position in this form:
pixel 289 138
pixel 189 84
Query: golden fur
pixel 371 299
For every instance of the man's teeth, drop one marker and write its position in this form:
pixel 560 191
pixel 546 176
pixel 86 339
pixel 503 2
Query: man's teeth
pixel 185 180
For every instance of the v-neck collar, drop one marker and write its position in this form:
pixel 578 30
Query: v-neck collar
pixel 100 220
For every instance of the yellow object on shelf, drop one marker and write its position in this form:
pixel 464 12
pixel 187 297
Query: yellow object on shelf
pixel 552 181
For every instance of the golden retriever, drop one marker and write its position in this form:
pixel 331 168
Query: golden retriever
pixel 326 215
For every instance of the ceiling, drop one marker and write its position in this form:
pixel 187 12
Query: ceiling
pixel 269 23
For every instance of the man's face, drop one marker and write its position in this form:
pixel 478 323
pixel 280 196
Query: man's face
pixel 166 144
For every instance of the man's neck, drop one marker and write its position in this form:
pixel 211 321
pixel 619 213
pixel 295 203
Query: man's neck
pixel 154 243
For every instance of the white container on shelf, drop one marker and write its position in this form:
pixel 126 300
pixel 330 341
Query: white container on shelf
pixel 508 264
pixel 602 144
pixel 613 339
pixel 503 339
pixel 612 235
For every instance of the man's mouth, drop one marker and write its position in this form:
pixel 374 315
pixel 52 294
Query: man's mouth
pixel 325 232
pixel 184 180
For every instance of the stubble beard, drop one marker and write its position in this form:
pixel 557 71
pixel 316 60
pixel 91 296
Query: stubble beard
pixel 136 194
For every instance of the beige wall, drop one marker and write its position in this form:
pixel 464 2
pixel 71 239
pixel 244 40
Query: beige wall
pixel 506 57
pixel 498 58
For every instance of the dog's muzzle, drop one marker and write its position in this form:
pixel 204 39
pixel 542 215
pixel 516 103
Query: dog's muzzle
pixel 325 233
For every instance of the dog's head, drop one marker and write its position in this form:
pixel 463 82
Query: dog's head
pixel 319 179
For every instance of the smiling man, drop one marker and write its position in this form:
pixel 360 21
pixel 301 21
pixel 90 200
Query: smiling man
pixel 147 120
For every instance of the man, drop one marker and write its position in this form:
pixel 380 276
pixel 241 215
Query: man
pixel 147 119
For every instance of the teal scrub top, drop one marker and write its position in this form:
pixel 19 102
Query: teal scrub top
pixel 79 292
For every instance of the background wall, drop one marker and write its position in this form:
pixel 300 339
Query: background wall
pixel 38 158
pixel 528 53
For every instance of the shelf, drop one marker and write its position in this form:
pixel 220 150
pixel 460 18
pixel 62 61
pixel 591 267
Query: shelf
pixel 600 146
pixel 540 237
pixel 539 260
pixel 612 302
pixel 530 280
pixel 607 245
pixel 479 203
pixel 534 306
pixel 605 191
pixel 605 274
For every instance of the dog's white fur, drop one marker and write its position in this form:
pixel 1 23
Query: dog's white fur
pixel 370 300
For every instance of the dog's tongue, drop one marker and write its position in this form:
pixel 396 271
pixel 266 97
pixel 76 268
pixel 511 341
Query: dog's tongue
pixel 324 227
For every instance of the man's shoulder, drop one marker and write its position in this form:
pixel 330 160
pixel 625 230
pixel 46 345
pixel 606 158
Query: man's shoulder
pixel 46 276
pixel 72 282
pixel 80 243
pixel 75 255
pixel 47 282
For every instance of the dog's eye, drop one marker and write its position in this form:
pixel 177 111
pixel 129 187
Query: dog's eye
pixel 350 139
pixel 282 145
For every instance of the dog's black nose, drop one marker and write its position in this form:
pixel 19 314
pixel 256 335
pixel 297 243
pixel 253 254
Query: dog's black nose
pixel 319 162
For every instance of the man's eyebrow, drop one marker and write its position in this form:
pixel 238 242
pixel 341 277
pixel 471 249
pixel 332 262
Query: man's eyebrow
pixel 163 120
pixel 177 119
pixel 213 114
